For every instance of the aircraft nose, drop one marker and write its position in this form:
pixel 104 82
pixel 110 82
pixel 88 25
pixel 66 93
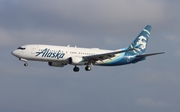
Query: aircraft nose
pixel 15 53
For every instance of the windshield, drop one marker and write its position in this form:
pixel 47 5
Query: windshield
pixel 22 48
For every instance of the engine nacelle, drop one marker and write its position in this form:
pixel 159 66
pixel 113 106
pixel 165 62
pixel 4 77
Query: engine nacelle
pixel 76 61
pixel 56 64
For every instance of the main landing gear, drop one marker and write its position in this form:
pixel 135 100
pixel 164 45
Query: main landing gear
pixel 76 69
pixel 87 68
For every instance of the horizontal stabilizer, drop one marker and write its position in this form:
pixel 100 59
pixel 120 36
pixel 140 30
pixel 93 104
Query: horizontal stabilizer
pixel 145 55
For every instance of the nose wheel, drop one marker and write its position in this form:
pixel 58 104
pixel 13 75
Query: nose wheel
pixel 25 61
pixel 25 64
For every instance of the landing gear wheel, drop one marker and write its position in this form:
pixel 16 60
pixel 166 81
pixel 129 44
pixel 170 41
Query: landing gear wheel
pixel 25 64
pixel 76 69
pixel 87 68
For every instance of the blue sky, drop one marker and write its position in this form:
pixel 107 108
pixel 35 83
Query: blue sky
pixel 151 85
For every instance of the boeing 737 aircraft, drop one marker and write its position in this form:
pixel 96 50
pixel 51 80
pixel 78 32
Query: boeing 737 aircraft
pixel 59 56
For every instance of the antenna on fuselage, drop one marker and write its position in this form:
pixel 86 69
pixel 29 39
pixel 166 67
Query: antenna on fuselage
pixel 68 45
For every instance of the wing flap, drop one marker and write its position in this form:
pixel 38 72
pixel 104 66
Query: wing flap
pixel 104 55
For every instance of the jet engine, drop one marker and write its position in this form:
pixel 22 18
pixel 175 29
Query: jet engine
pixel 76 61
pixel 56 64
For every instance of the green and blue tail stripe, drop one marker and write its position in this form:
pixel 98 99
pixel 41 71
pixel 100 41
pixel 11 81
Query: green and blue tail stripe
pixel 140 45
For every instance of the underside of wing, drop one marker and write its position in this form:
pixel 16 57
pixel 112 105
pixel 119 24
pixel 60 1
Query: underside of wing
pixel 104 56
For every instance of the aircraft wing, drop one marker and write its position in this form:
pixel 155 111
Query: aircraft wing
pixel 145 55
pixel 104 56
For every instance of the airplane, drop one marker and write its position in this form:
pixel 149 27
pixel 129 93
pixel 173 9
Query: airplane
pixel 59 56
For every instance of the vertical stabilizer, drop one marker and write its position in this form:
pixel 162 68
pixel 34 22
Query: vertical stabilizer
pixel 140 43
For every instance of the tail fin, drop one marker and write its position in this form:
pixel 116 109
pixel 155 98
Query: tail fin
pixel 140 43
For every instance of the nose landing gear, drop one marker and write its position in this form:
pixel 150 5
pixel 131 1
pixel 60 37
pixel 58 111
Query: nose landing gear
pixel 25 64
pixel 24 60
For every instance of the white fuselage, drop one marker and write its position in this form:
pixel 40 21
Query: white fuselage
pixel 50 53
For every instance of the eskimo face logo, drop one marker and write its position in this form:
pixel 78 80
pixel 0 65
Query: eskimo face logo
pixel 141 43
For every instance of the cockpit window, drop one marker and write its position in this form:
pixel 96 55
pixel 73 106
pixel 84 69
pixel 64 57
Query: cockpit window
pixel 22 48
